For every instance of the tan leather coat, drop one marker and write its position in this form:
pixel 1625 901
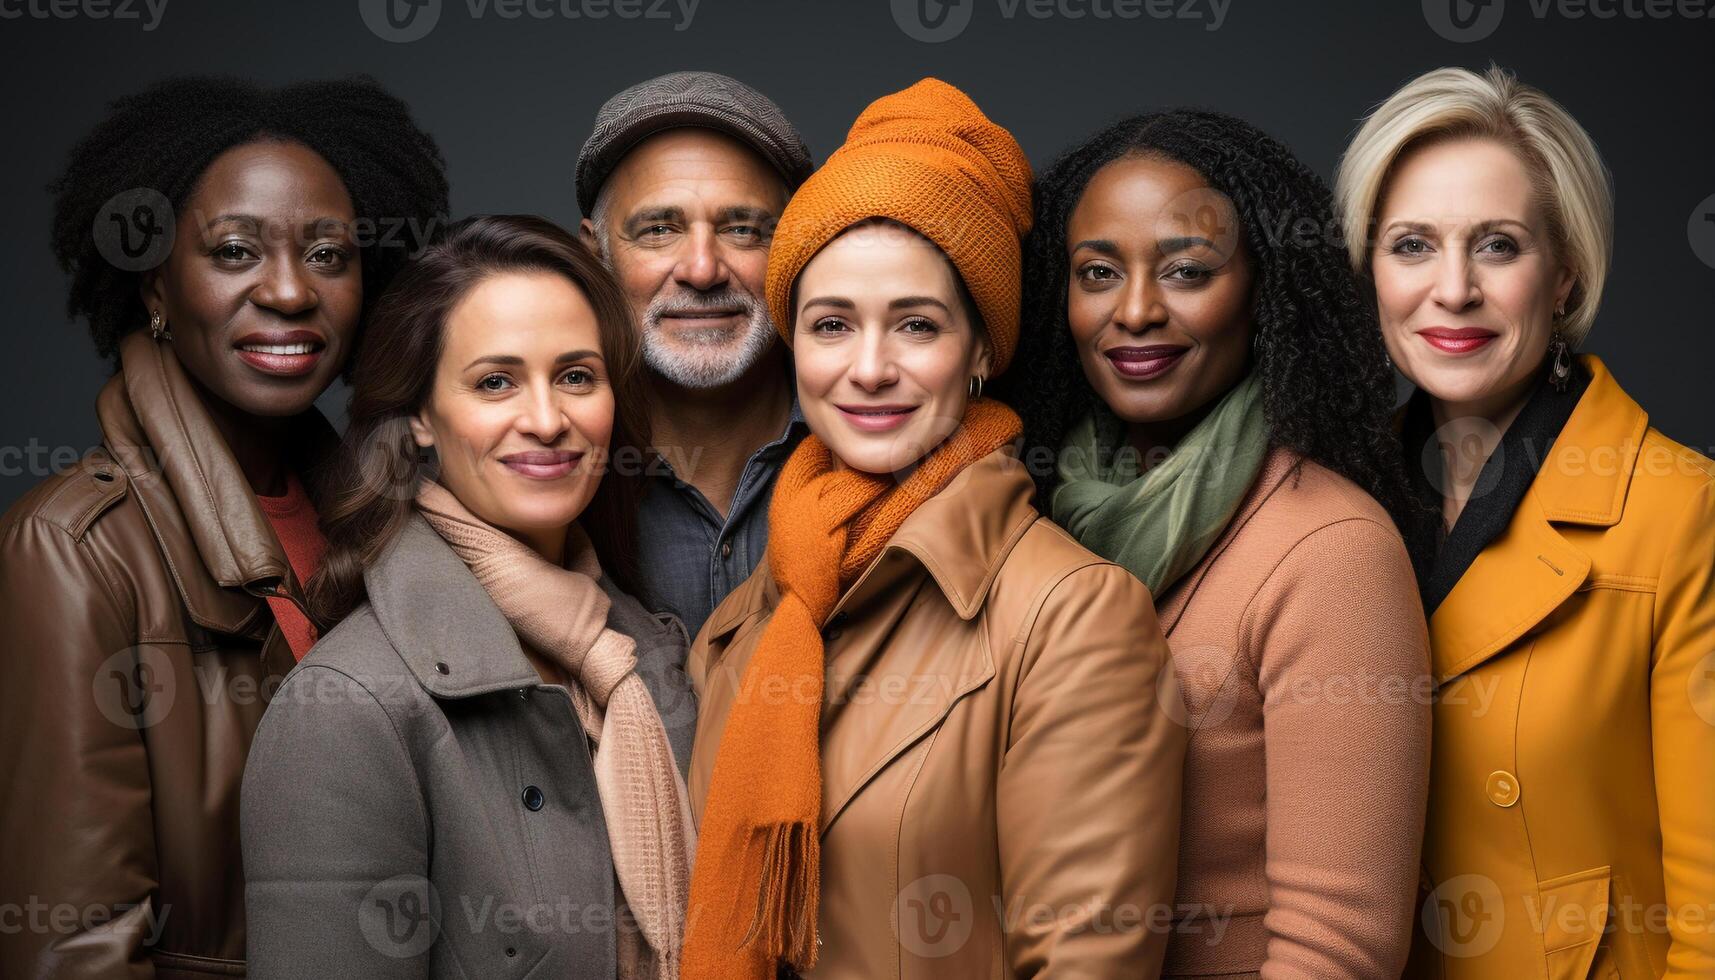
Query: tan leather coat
pixel 1000 763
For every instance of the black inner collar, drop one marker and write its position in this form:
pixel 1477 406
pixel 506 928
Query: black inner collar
pixel 1501 484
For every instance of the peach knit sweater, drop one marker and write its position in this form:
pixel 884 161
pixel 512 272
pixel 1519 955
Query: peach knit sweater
pixel 1301 649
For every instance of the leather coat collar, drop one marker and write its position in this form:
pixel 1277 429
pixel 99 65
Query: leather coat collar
pixel 217 542
pixel 961 537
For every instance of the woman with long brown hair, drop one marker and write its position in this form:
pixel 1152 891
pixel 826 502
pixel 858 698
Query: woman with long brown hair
pixel 495 728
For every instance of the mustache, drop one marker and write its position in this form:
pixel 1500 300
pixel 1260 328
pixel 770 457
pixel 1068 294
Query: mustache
pixel 726 299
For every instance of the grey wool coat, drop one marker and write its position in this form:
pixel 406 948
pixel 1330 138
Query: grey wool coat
pixel 417 803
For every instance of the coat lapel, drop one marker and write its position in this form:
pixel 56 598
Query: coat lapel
pixel 219 545
pixel 1526 573
pixel 882 696
pixel 1517 581
pixel 446 629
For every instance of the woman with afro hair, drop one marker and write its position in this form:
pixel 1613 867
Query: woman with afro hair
pixel 223 242
pixel 1209 406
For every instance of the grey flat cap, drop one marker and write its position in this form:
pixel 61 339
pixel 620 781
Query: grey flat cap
pixel 688 98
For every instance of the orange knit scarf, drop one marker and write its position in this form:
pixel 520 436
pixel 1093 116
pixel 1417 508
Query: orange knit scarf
pixel 756 885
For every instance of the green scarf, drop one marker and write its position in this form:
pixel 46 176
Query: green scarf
pixel 1159 524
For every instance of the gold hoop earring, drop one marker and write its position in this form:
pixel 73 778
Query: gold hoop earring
pixel 975 387
pixel 158 328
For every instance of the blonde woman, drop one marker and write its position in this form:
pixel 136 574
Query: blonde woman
pixel 1571 589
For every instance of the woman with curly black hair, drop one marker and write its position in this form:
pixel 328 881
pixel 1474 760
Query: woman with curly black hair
pixel 1209 406
pixel 223 241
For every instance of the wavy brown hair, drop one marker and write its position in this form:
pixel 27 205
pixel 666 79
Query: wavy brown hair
pixel 374 477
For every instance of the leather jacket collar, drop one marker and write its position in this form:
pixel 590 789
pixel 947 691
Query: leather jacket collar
pixel 961 537
pixel 219 545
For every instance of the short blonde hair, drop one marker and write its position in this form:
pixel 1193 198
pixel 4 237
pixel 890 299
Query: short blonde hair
pixel 1573 186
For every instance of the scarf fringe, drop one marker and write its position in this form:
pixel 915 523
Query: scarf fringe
pixel 787 903
pixel 758 869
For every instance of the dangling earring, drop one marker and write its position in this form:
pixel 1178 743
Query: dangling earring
pixel 158 328
pixel 976 386
pixel 1559 356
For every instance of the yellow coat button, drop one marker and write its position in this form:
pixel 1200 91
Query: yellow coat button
pixel 1503 788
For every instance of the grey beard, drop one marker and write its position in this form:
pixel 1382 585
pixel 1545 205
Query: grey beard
pixel 706 358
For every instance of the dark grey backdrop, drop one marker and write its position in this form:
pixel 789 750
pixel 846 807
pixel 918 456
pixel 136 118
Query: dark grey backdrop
pixel 509 90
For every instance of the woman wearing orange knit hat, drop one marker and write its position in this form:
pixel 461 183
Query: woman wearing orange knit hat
pixel 936 734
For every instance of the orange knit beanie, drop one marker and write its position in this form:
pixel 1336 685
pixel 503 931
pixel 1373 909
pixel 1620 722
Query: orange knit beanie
pixel 928 158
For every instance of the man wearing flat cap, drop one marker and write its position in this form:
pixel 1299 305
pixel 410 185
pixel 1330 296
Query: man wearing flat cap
pixel 681 182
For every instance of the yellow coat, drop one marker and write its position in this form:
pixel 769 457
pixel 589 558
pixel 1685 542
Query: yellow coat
pixel 1571 825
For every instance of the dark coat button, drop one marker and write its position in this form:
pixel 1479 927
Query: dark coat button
pixel 440 667
pixel 533 798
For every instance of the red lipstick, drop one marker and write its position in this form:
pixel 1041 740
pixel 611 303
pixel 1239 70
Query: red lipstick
pixel 1457 340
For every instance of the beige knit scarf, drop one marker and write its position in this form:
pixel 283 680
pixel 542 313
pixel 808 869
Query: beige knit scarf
pixel 561 613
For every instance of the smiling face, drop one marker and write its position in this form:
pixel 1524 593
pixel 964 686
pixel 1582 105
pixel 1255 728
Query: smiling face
pixel 263 288
pixel 686 222
pixel 1466 279
pixel 884 347
pixel 1158 295
pixel 521 410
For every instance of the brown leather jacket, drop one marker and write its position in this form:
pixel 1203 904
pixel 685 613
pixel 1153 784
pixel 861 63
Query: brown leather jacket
pixel 140 657
pixel 1000 763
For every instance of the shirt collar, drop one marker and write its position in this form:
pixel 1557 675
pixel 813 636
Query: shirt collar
pixel 796 428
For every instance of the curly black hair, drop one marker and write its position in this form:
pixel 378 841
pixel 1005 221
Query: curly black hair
pixel 165 137
pixel 1327 387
